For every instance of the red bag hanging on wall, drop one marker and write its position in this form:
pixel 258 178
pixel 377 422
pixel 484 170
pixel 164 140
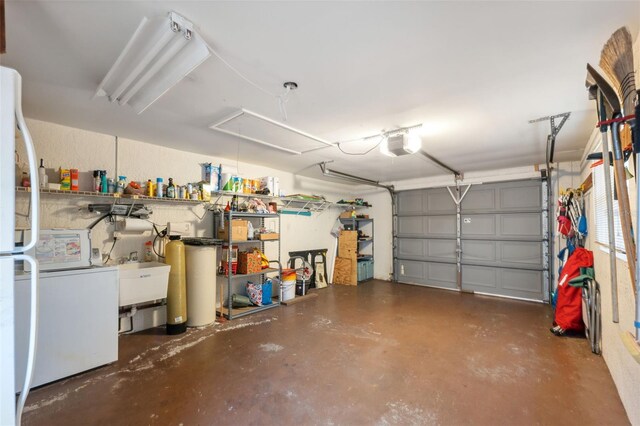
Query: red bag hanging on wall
pixel 569 304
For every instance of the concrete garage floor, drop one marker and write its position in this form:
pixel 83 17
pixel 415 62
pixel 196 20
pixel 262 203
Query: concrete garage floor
pixel 375 354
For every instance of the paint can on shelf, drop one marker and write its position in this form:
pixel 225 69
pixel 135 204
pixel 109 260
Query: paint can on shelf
pixel 288 284
pixel 236 183
pixel 247 185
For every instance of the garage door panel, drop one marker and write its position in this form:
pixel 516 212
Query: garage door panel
pixel 427 249
pixel 410 226
pixel 479 251
pixel 502 226
pixel 479 225
pixel 442 274
pixel 502 239
pixel 411 248
pixel 444 226
pixel 441 249
pixel 522 281
pixel 412 270
pixel 426 273
pixel 479 199
pixel 521 253
pixel 410 202
pixel 520 225
pixel 437 201
pixel 521 198
pixel 427 226
pixel 505 282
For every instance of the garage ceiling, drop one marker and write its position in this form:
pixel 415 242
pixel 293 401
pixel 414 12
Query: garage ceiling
pixel 473 72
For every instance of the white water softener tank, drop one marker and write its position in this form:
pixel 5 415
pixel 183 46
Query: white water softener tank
pixel 201 284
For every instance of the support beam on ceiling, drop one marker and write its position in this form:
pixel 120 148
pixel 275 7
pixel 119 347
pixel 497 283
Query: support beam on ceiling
pixel 457 174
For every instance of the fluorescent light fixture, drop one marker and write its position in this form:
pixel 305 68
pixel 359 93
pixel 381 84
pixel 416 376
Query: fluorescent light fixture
pixel 161 52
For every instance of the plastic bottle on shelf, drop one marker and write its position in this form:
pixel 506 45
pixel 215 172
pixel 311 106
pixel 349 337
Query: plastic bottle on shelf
pixel 42 175
pixel 96 180
pixel 171 189
pixel 150 192
pixel 159 183
pixel 148 252
pixel 234 203
pixel 228 208
pixel 111 186
pixel 104 184
pixel 121 185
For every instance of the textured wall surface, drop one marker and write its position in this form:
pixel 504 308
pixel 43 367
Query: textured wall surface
pixel 624 369
pixel 62 146
pixel 70 147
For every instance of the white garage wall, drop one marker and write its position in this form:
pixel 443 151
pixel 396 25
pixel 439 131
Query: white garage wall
pixel 624 369
pixel 69 147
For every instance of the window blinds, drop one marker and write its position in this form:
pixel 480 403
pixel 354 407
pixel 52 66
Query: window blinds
pixel 602 230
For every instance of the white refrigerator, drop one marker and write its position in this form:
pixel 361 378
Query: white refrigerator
pixel 12 122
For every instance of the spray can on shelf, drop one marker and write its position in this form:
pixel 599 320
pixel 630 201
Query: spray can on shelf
pixel 177 291
pixel 104 185
pixel 150 188
pixel 159 187
pixel 96 180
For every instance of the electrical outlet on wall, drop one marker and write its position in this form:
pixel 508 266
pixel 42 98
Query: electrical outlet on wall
pixel 179 228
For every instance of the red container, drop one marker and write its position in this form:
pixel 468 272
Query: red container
pixel 75 179
pixel 225 267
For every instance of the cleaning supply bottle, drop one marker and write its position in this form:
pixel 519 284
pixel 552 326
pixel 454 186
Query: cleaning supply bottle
pixel 177 291
pixel 42 175
pixel 150 191
pixel 148 251
pixel 121 184
pixel 104 185
pixel 228 208
pixel 96 180
pixel 159 187
pixel 171 189
pixel 234 203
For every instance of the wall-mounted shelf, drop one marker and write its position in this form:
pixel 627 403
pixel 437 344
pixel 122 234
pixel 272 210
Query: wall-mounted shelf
pixel 115 197
pixel 291 204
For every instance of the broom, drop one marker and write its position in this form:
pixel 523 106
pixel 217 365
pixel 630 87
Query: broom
pixel 616 60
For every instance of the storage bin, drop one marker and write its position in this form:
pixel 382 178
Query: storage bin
pixel 365 270
pixel 239 232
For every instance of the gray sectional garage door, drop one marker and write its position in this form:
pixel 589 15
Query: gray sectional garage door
pixel 502 239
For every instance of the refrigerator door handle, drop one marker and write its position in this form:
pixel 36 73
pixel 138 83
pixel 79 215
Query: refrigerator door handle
pixel 33 170
pixel 33 333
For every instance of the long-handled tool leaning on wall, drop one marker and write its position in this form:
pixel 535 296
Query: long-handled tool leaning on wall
pixel 616 60
pixel 604 110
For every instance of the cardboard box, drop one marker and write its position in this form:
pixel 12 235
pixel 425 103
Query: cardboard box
pixel 346 215
pixel 239 232
pixel 268 236
pixel 249 262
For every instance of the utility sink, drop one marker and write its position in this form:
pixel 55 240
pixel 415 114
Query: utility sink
pixel 143 282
